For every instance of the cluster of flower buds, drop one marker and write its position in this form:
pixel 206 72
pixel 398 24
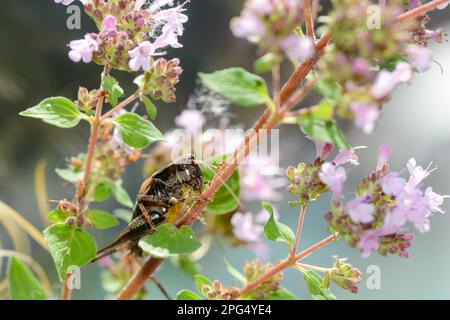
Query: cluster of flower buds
pixel 130 33
pixel 273 24
pixel 87 100
pixel 373 52
pixel 384 202
pixel 309 180
pixel 420 34
pixel 253 270
pixel 217 291
pixel 344 275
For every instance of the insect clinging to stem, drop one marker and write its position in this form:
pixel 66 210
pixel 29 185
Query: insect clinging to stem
pixel 161 199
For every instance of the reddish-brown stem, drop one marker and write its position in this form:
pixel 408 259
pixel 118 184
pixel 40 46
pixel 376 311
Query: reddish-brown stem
pixel 299 231
pixel 286 263
pixel 121 105
pixel 309 22
pixel 276 79
pixel 421 10
pixel 93 139
pixel 67 292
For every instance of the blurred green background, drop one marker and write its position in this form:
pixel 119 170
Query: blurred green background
pixel 34 65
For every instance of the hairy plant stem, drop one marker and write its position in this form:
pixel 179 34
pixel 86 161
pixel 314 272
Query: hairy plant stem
pixel 266 121
pixel 284 264
pixel 421 10
pixel 309 22
pixel 121 105
pixel 299 231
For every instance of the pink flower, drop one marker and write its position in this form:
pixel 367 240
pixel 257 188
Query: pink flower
pixel 323 149
pixel 109 25
pixel 157 4
pixel 384 153
pixel 392 184
pixel 417 173
pixel 420 57
pixel 244 227
pixel 298 48
pixel 334 177
pixel 366 116
pixel 387 81
pixel 344 156
pixel 434 200
pixel 83 49
pixel 173 19
pixel 191 120
pixel 359 211
pixel 248 26
pixel 259 179
pixel 370 241
pixel 140 56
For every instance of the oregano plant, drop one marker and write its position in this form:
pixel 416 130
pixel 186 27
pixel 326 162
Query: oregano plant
pixel 351 64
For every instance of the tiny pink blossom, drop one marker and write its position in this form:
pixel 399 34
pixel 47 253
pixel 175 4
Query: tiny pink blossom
pixel 417 173
pixel 109 25
pixel 359 211
pixel 420 57
pixel 140 56
pixel 297 48
pixel 191 120
pixel 346 156
pixel 334 177
pixel 366 116
pixel 245 228
pixel 392 184
pixel 370 241
pixel 83 49
pixel 323 149
pixel 384 153
pixel 387 81
pixel 434 200
pixel 248 26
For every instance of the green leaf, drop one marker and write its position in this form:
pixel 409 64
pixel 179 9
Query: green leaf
pixel 23 285
pixel 167 240
pixel 266 62
pixel 315 125
pixel 69 247
pixel 186 264
pixel 226 198
pixel 57 111
pixel 327 88
pixel 120 194
pixel 235 273
pixel 70 175
pixel 111 86
pixel 282 294
pixel 200 282
pixel 57 216
pixel 150 107
pixel 137 132
pixel 391 63
pixel 187 295
pixel 276 231
pixel 237 85
pixel 102 219
pixel 101 192
pixel 315 288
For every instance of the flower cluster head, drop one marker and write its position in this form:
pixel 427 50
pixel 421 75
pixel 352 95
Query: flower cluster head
pixel 384 202
pixel 309 180
pixel 272 25
pixel 373 53
pixel 130 33
pixel 344 275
